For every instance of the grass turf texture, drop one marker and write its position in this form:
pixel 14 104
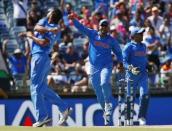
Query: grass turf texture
pixel 145 128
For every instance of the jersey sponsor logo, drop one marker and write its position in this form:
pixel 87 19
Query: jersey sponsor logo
pixel 82 116
pixel 101 44
pixel 139 53
pixel 86 112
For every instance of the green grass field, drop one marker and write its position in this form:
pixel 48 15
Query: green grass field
pixel 145 128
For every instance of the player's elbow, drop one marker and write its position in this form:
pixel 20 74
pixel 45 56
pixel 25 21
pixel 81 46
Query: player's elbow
pixel 36 28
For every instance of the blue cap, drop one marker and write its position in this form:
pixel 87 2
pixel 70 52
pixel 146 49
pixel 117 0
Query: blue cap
pixel 136 30
pixel 104 22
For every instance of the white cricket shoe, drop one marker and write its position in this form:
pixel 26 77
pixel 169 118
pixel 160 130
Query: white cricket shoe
pixel 142 121
pixel 107 113
pixel 106 119
pixel 64 116
pixel 42 123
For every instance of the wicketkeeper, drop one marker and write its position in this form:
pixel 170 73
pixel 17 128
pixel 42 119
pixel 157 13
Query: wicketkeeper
pixel 135 63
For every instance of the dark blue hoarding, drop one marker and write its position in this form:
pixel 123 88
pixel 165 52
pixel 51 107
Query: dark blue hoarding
pixel 87 112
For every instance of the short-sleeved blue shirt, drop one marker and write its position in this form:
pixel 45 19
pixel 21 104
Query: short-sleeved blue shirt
pixel 36 48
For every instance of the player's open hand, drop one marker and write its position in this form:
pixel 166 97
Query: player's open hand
pixel 72 16
pixel 29 34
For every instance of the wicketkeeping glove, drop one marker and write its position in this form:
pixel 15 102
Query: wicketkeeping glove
pixel 133 70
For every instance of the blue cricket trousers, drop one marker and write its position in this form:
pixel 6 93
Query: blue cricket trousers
pixel 100 79
pixel 138 81
pixel 40 66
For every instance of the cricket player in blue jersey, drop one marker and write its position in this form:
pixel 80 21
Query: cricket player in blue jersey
pixel 101 45
pixel 45 34
pixel 135 63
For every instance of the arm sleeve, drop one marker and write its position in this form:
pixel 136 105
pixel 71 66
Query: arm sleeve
pixel 117 50
pixel 41 22
pixel 41 39
pixel 82 29
pixel 126 55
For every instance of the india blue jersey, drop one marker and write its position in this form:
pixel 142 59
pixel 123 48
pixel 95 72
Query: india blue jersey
pixel 36 48
pixel 135 54
pixel 100 48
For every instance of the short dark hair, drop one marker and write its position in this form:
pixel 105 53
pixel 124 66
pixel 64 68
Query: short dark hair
pixel 57 15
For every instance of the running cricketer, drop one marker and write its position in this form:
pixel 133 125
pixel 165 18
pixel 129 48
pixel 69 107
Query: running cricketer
pixel 135 63
pixel 45 34
pixel 101 44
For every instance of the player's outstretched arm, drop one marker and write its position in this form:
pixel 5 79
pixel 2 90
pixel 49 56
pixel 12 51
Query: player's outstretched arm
pixel 83 29
pixel 41 29
pixel 42 42
pixel 44 30
pixel 126 56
